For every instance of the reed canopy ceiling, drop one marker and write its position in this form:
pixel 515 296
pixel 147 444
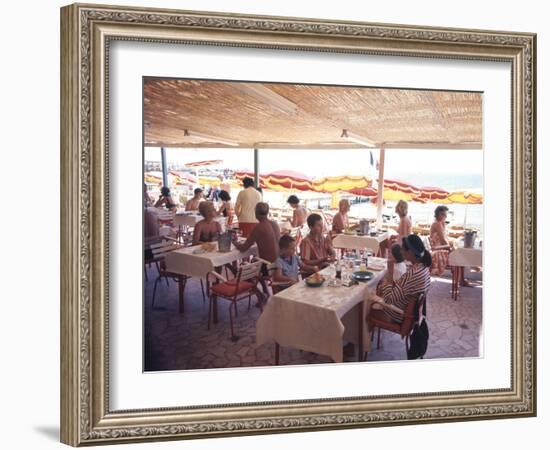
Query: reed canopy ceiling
pixel 206 113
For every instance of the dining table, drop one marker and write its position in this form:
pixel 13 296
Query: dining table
pixel 197 262
pixel 320 319
pixel 460 258
pixel 355 241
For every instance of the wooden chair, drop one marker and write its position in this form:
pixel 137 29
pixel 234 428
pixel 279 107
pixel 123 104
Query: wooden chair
pixel 158 251
pixel 149 257
pixel 404 328
pixel 243 286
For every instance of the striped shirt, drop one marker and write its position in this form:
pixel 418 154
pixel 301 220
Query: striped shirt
pixel 400 293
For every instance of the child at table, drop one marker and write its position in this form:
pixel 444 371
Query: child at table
pixel 288 265
pixel 399 267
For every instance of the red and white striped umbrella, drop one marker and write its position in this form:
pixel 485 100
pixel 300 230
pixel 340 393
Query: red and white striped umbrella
pixel 209 162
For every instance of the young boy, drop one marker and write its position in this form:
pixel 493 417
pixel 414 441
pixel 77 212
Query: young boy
pixel 399 267
pixel 288 264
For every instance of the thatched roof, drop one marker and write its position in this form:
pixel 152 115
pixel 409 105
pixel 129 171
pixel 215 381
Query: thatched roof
pixel 204 113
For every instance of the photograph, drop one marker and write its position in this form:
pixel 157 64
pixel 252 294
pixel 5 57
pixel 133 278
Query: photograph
pixel 299 224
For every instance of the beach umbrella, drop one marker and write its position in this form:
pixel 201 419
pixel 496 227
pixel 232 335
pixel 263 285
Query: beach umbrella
pixel 431 194
pixel 395 190
pixel 240 175
pixel 369 192
pixel 152 178
pixel 182 178
pixel 287 180
pixel 221 183
pixel 464 197
pixel 340 183
pixel 209 162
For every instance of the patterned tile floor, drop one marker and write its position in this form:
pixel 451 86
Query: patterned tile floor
pixel 175 342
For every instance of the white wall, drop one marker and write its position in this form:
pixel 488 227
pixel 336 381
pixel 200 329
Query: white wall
pixel 29 288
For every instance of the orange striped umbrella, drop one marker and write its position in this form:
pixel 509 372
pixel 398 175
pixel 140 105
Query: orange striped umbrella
pixel 182 178
pixel 340 183
pixel 464 197
pixel 283 180
pixel 152 177
pixel 240 175
pixel 364 192
pixel 430 194
pixel 395 190
pixel 209 162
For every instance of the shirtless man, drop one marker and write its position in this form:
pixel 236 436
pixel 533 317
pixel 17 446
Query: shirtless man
pixel 299 215
pixel 266 236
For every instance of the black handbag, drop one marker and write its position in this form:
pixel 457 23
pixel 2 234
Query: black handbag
pixel 419 336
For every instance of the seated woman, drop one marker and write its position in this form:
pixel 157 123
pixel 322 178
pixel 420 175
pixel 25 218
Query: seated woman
pixel 208 229
pixel 288 264
pixel 415 281
pixel 316 249
pixel 340 221
pixel 441 245
pixel 165 199
pixel 226 208
pixel 439 241
pixel 299 214
pixel 405 225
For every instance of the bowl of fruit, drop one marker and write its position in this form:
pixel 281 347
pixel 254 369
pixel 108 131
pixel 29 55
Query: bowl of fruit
pixel 315 280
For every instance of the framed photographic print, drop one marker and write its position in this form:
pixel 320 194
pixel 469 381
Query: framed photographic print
pixel 278 224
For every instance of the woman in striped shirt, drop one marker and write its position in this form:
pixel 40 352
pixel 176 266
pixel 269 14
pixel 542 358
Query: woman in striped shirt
pixel 407 288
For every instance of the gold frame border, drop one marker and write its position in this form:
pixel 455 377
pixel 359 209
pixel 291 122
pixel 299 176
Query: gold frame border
pixel 86 31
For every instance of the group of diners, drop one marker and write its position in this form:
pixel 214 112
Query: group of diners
pixel 410 264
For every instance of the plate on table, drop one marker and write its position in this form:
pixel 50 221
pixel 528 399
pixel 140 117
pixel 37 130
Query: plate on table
pixel 315 280
pixel 362 275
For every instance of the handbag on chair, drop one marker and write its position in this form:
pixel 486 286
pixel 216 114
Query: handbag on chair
pixel 419 336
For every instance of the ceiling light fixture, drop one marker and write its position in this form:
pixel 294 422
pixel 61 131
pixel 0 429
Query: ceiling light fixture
pixel 357 139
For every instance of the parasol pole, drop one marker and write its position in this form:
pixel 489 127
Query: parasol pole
pixel 465 215
pixel 380 198
pixel 164 166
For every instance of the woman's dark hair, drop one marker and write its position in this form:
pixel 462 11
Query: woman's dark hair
pixel 396 253
pixel 312 219
pixel 293 200
pixel 165 191
pixel 439 210
pixel 285 241
pixel 414 244
pixel 248 182
pixel 224 195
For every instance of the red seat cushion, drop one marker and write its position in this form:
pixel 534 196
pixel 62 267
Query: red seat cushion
pixel 230 288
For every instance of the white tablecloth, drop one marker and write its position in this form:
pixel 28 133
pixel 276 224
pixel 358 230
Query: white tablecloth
pixel 318 319
pixel 466 257
pixel 355 242
pixel 190 220
pixel 284 225
pixel 185 262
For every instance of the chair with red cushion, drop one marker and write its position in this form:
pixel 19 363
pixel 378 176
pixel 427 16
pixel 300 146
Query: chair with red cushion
pixel 376 319
pixel 243 286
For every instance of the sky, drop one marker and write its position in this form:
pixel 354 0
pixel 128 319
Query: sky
pixel 443 168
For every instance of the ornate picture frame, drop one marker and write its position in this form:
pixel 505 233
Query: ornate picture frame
pixel 86 33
